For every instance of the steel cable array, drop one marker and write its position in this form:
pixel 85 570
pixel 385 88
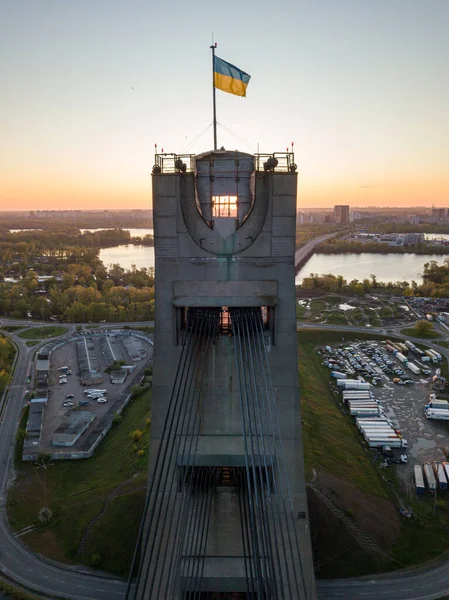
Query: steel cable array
pixel 165 506
pixel 275 557
pixel 174 530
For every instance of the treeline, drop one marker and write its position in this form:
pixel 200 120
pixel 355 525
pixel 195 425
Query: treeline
pixel 6 358
pixel 337 246
pixel 52 251
pixel 82 294
pixel 435 283
pixel 338 284
pixel 306 232
pixel 408 228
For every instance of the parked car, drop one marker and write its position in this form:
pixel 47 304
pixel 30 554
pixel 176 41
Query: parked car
pixel 63 381
pixel 67 403
pixel 102 400
pixel 69 396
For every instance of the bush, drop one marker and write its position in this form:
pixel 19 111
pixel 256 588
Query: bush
pixel 148 421
pixel 116 419
pixel 134 447
pixel 140 453
pixel 95 559
pixel 136 435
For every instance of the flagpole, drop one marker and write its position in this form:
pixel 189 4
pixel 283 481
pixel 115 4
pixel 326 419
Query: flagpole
pixel 213 95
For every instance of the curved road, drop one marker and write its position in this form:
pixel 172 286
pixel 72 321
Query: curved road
pixel 50 579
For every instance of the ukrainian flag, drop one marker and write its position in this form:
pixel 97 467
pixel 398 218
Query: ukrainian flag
pixel 229 78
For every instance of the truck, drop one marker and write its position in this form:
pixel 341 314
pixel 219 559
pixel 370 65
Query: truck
pixel 361 407
pixel 357 394
pixel 402 358
pixel 440 475
pixel 375 434
pixel 413 368
pixel 354 384
pixel 368 402
pixel 403 347
pixel 338 375
pixel 420 486
pixel 372 427
pixel 424 369
pixel 361 422
pixel 446 469
pixel 435 354
pixel 366 412
pixel 425 358
pixel 431 356
pixel 377 426
pixel 410 345
pixel 393 443
pixel 378 432
pixel 430 477
pixel 438 404
pixel 437 414
pixel 94 390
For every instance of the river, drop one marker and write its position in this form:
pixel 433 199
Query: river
pixel 386 267
pixel 127 255
pixel 134 231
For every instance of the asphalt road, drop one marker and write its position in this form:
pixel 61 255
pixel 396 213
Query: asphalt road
pixel 302 252
pixel 49 579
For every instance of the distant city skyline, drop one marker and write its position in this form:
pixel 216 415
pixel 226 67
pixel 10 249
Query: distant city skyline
pixel 89 88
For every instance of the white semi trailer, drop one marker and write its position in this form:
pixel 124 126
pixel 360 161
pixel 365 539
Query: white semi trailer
pixel 437 414
pixel 413 368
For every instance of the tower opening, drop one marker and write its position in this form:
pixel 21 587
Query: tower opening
pixel 224 206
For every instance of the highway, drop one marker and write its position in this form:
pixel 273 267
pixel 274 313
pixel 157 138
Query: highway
pixel 53 580
pixel 302 252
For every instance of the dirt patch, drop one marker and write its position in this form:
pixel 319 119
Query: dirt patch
pixel 376 517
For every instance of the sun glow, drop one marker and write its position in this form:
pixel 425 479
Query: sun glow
pixel 224 206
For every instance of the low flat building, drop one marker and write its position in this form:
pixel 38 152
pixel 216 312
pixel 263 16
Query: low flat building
pixel 118 376
pixel 73 428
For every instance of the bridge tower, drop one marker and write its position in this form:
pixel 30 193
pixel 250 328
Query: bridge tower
pixel 226 513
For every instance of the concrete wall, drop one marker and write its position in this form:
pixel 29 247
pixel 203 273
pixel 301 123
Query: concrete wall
pixel 253 266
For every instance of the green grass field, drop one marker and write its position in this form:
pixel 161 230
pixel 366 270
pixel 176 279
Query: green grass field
pixel 330 438
pixel 77 491
pixel 423 335
pixel 41 333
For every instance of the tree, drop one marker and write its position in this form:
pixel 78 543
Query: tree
pixel 423 326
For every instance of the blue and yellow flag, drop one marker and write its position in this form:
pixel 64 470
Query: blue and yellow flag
pixel 229 78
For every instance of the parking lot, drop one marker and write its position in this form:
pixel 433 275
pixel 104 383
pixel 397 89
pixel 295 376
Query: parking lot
pixel 64 398
pixel 402 403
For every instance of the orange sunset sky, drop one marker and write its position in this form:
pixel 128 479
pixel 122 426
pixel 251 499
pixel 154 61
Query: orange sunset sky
pixel 88 88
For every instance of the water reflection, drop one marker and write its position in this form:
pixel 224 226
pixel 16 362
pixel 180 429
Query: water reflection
pixel 386 267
